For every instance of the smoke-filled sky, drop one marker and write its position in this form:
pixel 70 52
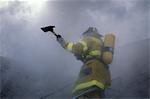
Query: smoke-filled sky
pixel 22 40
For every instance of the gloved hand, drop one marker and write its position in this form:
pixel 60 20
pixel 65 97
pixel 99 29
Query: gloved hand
pixel 61 40
pixel 58 36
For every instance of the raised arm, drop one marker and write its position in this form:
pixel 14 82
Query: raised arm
pixel 76 48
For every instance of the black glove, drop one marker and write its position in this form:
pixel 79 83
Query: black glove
pixel 58 36
pixel 61 40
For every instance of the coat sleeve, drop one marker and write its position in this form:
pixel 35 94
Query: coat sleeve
pixel 76 48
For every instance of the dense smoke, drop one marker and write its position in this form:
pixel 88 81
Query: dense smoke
pixel 33 64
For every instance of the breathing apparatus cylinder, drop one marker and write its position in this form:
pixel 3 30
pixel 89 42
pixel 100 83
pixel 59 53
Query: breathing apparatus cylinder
pixel 109 43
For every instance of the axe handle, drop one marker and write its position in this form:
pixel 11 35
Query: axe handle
pixel 55 34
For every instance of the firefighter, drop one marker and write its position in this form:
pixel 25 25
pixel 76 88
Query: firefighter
pixel 96 53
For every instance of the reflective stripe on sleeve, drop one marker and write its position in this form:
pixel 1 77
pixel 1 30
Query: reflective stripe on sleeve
pixel 89 84
pixel 84 45
pixel 95 53
pixel 69 46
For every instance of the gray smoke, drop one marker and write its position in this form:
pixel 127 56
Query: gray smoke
pixel 38 64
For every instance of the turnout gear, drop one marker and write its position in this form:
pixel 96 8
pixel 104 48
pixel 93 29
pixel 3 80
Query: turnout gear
pixel 96 54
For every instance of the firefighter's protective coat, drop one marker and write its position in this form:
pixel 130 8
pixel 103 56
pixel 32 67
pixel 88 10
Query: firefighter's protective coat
pixel 96 54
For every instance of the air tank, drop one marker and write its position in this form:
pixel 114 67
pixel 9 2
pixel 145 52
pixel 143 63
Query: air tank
pixel 109 43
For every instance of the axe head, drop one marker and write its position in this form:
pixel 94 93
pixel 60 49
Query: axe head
pixel 48 28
